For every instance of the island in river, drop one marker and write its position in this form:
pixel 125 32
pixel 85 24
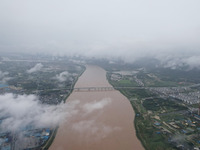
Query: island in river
pixel 103 120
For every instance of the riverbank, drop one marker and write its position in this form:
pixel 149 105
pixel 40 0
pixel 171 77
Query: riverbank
pixel 54 131
pixel 135 109
pixel 158 120
pixel 102 119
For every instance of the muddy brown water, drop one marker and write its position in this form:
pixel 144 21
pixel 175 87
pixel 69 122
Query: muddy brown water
pixel 103 120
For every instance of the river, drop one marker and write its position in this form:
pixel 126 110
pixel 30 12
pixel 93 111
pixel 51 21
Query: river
pixel 104 119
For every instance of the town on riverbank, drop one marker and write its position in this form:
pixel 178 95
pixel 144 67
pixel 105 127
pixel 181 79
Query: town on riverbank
pixel 165 100
pixel 49 78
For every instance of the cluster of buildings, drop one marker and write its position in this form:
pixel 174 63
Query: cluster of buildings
pixel 190 98
pixel 138 81
pixel 180 131
pixel 32 138
pixel 4 88
pixel 5 141
pixel 26 138
pixel 181 93
pixel 116 77
pixel 29 137
pixel 54 97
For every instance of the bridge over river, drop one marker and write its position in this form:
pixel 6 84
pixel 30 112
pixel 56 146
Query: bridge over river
pixel 91 89
pixel 111 88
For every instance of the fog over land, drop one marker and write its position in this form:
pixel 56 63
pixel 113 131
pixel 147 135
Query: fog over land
pixel 4 76
pixel 25 110
pixel 21 111
pixel 152 34
pixel 36 68
pixel 62 76
pixel 107 28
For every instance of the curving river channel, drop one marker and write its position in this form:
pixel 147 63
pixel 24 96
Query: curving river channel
pixel 101 120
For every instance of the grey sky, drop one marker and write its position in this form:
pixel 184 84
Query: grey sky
pixel 121 28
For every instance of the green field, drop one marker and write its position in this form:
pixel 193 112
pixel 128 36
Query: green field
pixel 123 83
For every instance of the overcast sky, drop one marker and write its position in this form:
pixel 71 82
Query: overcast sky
pixel 122 28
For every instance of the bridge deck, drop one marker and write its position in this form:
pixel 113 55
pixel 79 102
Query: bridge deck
pixel 84 89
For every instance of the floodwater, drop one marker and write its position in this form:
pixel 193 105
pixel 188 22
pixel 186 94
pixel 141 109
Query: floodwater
pixel 103 119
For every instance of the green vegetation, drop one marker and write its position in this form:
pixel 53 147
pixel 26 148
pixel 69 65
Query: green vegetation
pixel 138 93
pixel 52 84
pixel 157 118
pixel 150 136
pixel 177 75
pixel 154 81
pixel 159 104
pixel 123 82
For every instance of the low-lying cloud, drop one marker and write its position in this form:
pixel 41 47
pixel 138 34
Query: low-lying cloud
pixel 4 77
pixel 96 105
pixel 3 74
pixel 20 111
pixel 63 76
pixel 37 67
pixel 92 128
pixel 106 28
pixel 178 61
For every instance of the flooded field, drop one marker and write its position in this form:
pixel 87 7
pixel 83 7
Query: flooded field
pixel 102 120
